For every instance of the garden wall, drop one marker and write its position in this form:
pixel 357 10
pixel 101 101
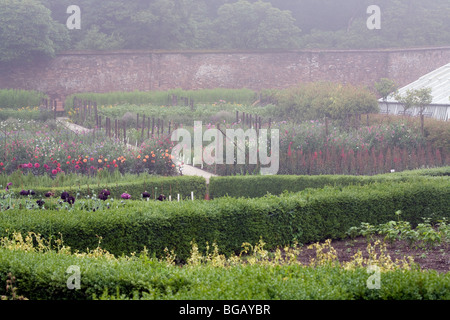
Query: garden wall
pixel 74 72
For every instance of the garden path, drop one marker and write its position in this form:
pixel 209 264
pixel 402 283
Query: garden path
pixel 187 170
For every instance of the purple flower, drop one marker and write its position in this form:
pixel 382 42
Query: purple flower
pixel 71 200
pixel 103 195
pixel 145 194
pixel 125 196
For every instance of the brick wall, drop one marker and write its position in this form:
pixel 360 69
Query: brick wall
pixel 73 72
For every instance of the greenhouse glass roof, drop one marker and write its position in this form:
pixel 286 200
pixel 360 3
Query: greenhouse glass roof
pixel 438 80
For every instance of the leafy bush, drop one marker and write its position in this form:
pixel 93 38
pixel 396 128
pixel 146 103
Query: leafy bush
pixel 26 114
pixel 308 216
pixel 42 274
pixel 259 186
pixel 425 235
pixel 436 132
pixel 16 99
pixel 312 101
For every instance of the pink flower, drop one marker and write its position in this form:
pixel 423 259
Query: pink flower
pixel 54 171
pixel 30 165
pixel 37 165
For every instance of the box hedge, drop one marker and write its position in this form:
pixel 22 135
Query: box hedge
pixel 44 276
pixel 259 186
pixel 308 216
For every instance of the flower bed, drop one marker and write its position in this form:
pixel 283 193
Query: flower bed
pixel 54 150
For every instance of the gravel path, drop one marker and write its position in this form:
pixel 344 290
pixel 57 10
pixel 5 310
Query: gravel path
pixel 187 170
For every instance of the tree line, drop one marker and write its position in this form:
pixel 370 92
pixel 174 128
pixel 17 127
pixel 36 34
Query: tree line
pixel 34 28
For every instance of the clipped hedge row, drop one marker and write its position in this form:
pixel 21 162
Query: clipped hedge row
pixel 43 277
pixel 308 216
pixel 173 186
pixel 259 186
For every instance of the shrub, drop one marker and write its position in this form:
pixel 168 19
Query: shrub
pixel 259 186
pixel 46 275
pixel 311 101
pixel 307 216
pixel 16 99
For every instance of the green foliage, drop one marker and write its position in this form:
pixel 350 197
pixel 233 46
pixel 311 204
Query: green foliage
pixel 96 40
pixel 308 216
pixel 259 186
pixel 255 25
pixel 27 31
pixel 425 235
pixel 311 101
pixel 385 87
pixel 41 275
pixel 163 98
pixel 26 114
pixel 222 24
pixel 17 99
pixel 415 98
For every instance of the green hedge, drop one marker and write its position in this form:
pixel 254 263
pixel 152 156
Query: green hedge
pixel 308 216
pixel 43 277
pixel 259 186
pixel 173 186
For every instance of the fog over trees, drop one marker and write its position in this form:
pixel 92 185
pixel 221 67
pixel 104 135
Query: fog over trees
pixel 30 28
